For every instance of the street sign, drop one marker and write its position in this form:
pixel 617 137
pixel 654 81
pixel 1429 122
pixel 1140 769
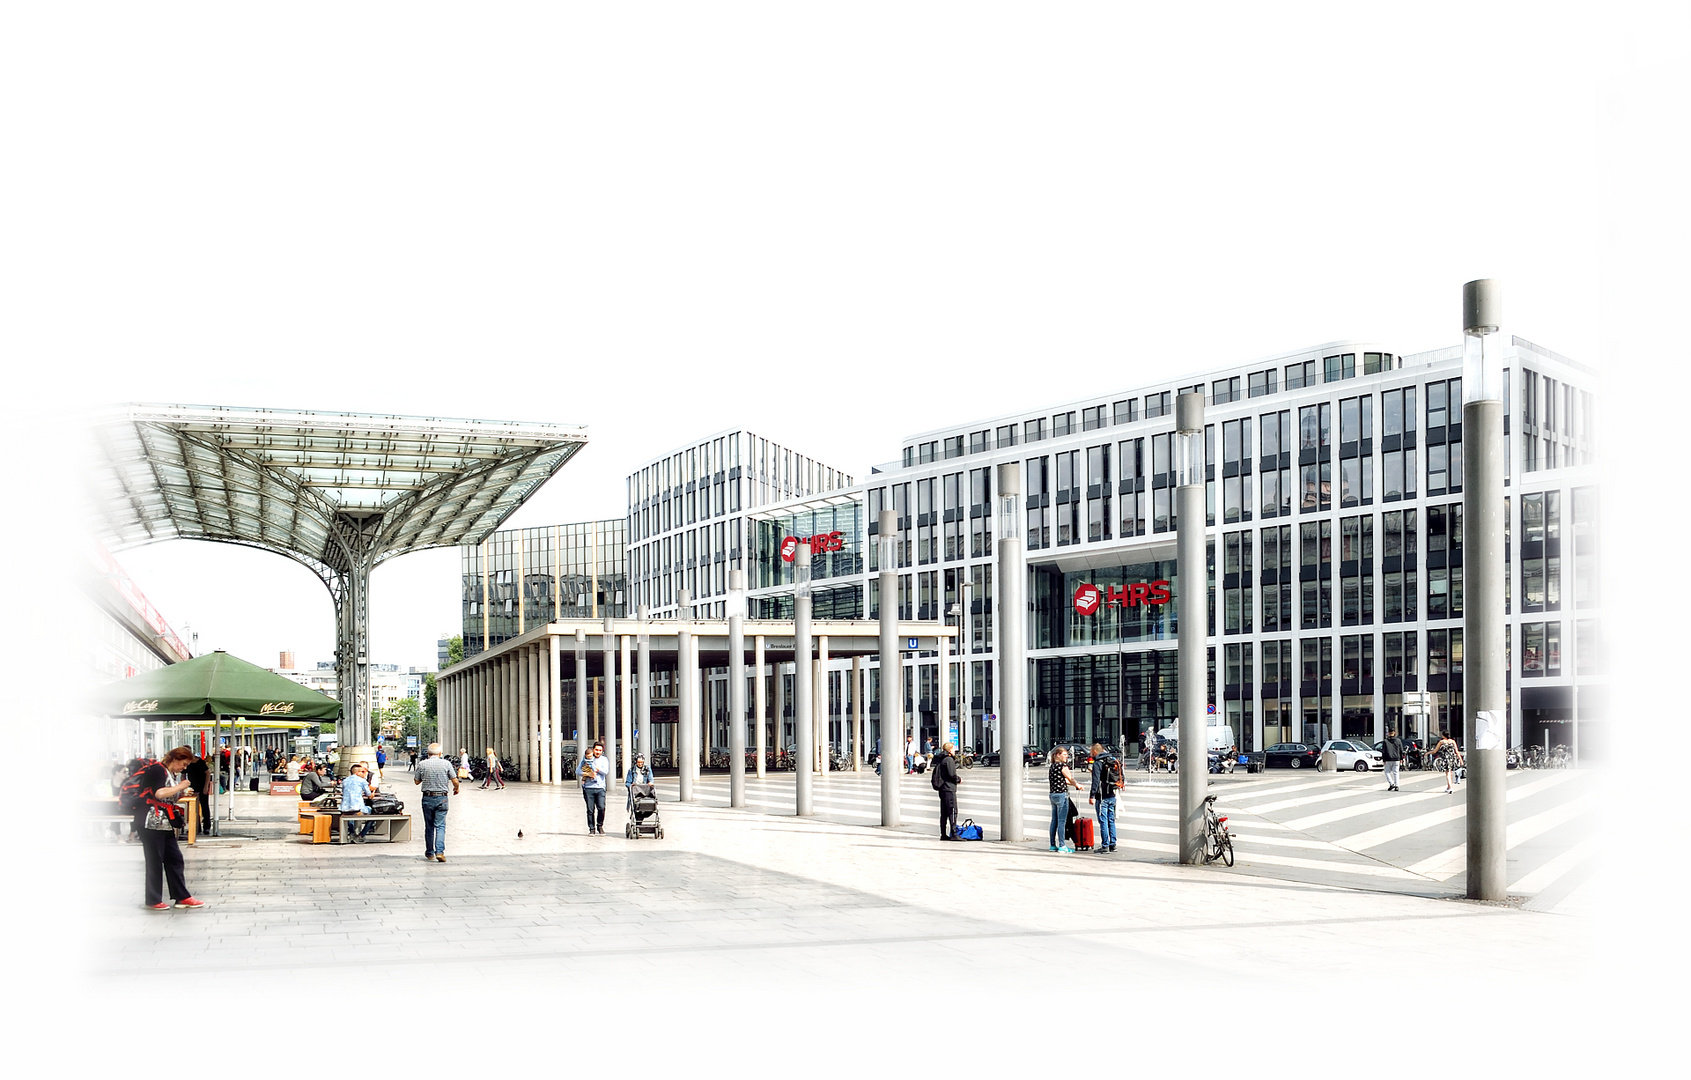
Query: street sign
pixel 912 644
pixel 411 741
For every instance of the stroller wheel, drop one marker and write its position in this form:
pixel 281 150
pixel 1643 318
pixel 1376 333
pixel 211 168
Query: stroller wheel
pixel 628 832
pixel 659 834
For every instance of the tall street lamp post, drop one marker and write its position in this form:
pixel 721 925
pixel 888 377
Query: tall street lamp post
pixel 1483 627
pixel 890 690
pixel 1011 611
pixel 736 688
pixel 1193 573
pixel 803 764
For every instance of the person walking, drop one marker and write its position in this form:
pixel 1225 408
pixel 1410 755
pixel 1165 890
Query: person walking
pixel 595 770
pixel 381 760
pixel 162 784
pixel 945 782
pixel 638 773
pixel 1448 758
pixel 1391 753
pixel 1106 781
pixel 1061 781
pixel 493 772
pixel 435 775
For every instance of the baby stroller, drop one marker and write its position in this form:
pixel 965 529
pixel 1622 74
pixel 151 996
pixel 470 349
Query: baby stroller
pixel 643 819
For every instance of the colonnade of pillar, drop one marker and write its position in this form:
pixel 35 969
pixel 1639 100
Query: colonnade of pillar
pixel 515 704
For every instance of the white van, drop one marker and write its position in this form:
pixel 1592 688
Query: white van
pixel 1219 736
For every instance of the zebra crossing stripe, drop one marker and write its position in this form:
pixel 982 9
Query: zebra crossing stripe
pixel 1547 875
pixel 1519 832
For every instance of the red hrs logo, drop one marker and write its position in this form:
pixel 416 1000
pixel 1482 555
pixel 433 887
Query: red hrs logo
pixel 1086 599
pixel 1089 598
pixel 818 544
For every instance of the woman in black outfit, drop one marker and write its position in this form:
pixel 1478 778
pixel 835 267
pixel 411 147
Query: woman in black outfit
pixel 164 858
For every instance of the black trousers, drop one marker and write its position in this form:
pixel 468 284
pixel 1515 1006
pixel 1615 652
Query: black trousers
pixel 164 866
pixel 948 812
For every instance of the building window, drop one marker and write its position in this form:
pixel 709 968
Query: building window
pixel 1339 367
pixel 1006 435
pixel 1223 391
pixel 1157 404
pixel 1062 424
pixel 1263 383
pixel 1038 500
pixel 953 446
pixel 1301 375
pixel 1092 419
pixel 1033 430
pixel 1130 464
pixel 1315 467
pixel 1126 412
pixel 925 453
pixel 978 441
pixel 1274 463
pixel 1374 363
pixel 1067 499
pixel 1098 493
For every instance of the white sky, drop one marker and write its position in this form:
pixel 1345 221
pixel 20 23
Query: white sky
pixel 665 220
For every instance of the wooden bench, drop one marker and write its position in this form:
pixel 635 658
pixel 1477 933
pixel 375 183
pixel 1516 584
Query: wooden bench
pixel 330 827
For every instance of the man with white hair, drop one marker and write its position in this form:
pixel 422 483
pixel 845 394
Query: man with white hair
pixel 435 775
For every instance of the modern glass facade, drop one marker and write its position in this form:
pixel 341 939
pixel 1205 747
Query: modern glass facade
pixel 518 579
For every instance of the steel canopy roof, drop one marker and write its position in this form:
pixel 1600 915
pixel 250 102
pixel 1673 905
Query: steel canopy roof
pixel 328 489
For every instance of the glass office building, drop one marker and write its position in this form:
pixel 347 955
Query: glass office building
pixel 519 579
pixel 1334 484
pixel 1334 494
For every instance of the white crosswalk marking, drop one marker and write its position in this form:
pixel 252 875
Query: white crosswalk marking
pixel 1340 829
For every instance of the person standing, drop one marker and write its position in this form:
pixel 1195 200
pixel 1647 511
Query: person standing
pixel 354 790
pixel 199 781
pixel 1391 752
pixel 910 754
pixel 1061 781
pixel 494 775
pixel 381 760
pixel 1448 757
pixel 162 785
pixel 1106 781
pixel 463 763
pixel 945 782
pixel 595 770
pixel 435 776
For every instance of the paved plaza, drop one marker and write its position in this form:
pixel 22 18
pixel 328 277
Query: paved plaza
pixel 1329 897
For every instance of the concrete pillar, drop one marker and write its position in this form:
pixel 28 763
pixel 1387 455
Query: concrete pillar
pixel 686 688
pixel 624 647
pixel 778 722
pixel 555 702
pixel 945 694
pixel 804 701
pixel 857 714
pixel 892 691
pixel 609 660
pixel 644 646
pixel 760 706
pixel 736 690
pixel 823 713
pixel 581 742
pixel 536 734
pixel 1193 658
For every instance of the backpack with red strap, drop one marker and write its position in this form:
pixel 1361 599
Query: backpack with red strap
pixel 134 797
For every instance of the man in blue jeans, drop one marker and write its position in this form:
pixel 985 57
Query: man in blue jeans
pixel 1106 781
pixel 435 775
pixel 594 772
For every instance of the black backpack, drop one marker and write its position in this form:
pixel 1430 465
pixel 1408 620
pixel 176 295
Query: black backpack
pixel 1109 776
pixel 130 797
pixel 933 766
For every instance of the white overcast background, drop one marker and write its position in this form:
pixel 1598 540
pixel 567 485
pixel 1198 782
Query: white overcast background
pixel 835 225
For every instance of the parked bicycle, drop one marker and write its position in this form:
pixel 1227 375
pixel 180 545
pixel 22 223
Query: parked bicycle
pixel 1218 841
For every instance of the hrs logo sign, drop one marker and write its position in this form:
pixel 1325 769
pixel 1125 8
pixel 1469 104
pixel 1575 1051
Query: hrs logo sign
pixel 1089 598
pixel 818 544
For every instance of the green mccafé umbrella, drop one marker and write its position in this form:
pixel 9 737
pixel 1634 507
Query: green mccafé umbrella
pixel 216 684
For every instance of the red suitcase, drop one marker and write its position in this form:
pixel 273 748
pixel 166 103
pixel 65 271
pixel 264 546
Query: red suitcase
pixel 1084 834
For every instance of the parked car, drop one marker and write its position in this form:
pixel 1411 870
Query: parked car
pixel 1355 754
pixel 1291 755
pixel 1030 756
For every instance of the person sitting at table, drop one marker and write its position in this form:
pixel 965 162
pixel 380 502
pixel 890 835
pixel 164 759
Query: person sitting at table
pixel 293 768
pixel 311 785
pixel 354 790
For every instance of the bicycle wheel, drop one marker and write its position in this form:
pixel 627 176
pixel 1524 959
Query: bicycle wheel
pixel 1227 849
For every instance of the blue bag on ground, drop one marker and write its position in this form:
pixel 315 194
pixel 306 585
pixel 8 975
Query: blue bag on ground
pixel 969 830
